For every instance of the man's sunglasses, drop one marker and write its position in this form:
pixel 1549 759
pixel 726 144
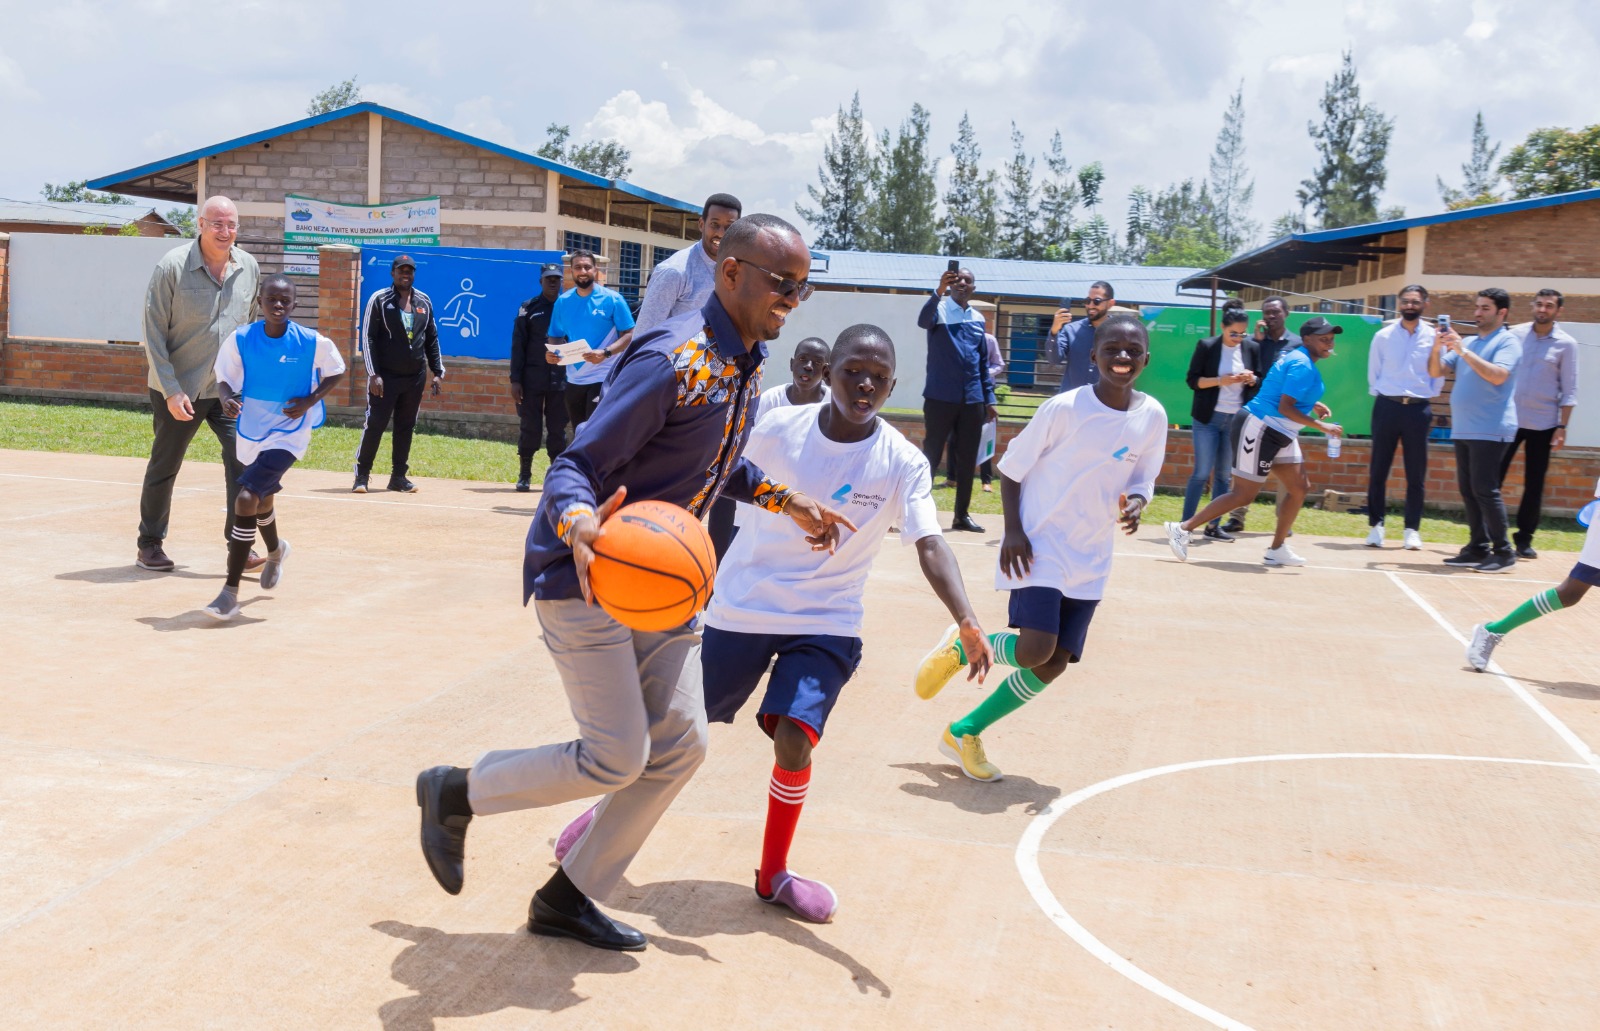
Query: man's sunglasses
pixel 786 286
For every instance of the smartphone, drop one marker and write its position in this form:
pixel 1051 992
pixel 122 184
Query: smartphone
pixel 1444 323
pixel 954 266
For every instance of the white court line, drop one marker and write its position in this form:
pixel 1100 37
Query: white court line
pixel 1564 732
pixel 1027 858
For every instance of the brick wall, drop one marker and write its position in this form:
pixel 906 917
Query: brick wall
pixel 88 372
pixel 418 163
pixel 1561 242
pixel 530 238
pixel 1458 305
pixel 327 161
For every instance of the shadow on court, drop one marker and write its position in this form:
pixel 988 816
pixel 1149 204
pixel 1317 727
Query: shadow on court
pixel 132 575
pixel 456 976
pixel 1565 688
pixel 698 909
pixel 507 489
pixel 512 510
pixel 945 783
pixel 194 619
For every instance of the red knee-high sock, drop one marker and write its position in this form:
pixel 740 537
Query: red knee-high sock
pixel 786 793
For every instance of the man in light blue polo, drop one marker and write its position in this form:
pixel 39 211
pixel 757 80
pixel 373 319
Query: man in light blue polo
pixel 597 316
pixel 1546 392
pixel 1483 422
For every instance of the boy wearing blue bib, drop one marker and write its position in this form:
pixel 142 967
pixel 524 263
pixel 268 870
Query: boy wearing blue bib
pixel 272 376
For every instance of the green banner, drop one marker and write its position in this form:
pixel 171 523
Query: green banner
pixel 1175 331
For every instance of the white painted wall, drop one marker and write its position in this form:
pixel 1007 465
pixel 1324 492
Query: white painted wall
pixel 1584 430
pixel 74 287
pixel 828 313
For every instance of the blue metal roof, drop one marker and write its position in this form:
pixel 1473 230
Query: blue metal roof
pixel 1373 230
pixel 109 182
pixel 1048 281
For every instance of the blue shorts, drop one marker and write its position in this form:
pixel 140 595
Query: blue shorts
pixel 1587 573
pixel 1047 609
pixel 264 476
pixel 811 671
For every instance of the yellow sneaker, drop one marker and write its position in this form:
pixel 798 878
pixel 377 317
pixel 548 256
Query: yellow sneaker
pixel 939 665
pixel 968 754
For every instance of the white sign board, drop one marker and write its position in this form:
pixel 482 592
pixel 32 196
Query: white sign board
pixel 308 223
pixel 67 286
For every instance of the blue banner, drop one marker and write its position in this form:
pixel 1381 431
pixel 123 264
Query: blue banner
pixel 476 291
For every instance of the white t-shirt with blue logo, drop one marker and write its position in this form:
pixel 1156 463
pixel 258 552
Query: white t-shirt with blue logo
pixel 770 581
pixel 286 434
pixel 1075 459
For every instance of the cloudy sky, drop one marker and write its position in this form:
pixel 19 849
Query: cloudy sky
pixel 713 99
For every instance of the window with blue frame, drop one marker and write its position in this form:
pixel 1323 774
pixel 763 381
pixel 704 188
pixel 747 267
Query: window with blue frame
pixel 660 254
pixel 581 242
pixel 629 271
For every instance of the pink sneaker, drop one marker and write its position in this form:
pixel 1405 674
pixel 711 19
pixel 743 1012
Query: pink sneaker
pixel 573 831
pixel 810 900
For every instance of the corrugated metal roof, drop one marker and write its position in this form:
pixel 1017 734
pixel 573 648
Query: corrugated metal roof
pixel 134 178
pixel 1258 262
pixel 47 212
pixel 1051 281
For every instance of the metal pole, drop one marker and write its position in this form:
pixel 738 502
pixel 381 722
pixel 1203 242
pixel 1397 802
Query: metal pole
pixel 1213 305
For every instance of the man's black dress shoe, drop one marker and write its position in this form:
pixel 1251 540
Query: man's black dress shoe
pixel 966 524
pixel 444 838
pixel 591 927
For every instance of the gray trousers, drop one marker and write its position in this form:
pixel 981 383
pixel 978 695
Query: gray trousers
pixel 641 716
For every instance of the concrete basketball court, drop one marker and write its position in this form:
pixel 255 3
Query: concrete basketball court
pixel 1267 799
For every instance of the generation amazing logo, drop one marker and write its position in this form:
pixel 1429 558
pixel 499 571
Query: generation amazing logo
pixel 848 495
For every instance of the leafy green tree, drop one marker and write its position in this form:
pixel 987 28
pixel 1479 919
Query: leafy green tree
pixel 902 209
pixel 971 202
pixel 1139 225
pixel 339 95
pixel 844 182
pixel 1287 223
pixel 1058 198
pixel 1478 175
pixel 605 158
pixel 1554 161
pixel 76 191
pixel 1232 188
pixel 1093 241
pixel 183 219
pixel 1352 145
pixel 1180 228
pixel 1020 237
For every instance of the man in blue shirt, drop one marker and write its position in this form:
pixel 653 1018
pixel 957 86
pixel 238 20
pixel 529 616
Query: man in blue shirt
pixel 597 316
pixel 1072 342
pixel 671 427
pixel 1483 422
pixel 1398 380
pixel 957 395
pixel 1546 393
pixel 1265 441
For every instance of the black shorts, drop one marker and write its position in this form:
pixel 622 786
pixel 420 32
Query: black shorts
pixel 1256 446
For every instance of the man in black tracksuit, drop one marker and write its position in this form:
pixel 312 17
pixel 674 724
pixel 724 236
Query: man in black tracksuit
pixel 538 380
pixel 402 346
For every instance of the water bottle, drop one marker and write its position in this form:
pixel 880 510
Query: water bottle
pixel 1335 445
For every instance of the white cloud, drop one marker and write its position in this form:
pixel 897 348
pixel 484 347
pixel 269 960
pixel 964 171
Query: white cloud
pixel 480 116
pixel 398 96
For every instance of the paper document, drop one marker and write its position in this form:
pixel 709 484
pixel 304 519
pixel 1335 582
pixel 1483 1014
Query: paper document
pixel 571 352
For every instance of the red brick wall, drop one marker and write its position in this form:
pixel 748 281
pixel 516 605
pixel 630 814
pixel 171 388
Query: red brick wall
pixel 99 371
pixel 1561 242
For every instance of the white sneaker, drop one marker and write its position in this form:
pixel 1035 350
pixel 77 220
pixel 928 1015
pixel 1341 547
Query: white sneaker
pixel 1178 541
pixel 1282 557
pixel 1375 536
pixel 1413 541
pixel 1482 647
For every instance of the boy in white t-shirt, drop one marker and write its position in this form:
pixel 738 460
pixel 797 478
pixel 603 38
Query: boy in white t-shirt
pixel 1585 574
pixel 778 599
pixel 1084 464
pixel 272 376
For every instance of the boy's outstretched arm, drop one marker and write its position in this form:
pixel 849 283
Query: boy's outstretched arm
pixel 1016 551
pixel 940 568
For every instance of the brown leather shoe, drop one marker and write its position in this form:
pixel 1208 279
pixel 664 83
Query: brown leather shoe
pixel 155 560
pixel 254 562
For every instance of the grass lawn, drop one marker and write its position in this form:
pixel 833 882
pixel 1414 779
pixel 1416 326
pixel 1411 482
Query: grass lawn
pixel 125 431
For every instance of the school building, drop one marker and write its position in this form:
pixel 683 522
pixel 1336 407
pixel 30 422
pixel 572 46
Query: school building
pixel 490 195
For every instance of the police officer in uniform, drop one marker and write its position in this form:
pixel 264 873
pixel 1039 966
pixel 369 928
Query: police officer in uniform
pixel 538 380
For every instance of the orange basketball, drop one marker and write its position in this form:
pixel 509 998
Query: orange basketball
pixel 653 566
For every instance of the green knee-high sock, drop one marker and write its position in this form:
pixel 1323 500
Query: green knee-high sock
pixel 1541 604
pixel 1016 689
pixel 1004 644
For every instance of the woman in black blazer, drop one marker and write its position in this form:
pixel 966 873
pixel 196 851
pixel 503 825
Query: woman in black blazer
pixel 1224 374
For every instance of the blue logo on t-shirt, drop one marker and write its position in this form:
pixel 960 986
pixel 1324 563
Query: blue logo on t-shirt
pixel 841 493
pixel 1118 453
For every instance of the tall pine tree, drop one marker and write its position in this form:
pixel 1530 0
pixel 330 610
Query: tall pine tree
pixel 1232 188
pixel 1093 240
pixel 1058 198
pixel 1020 237
pixel 902 214
pixel 1352 146
pixel 844 184
pixel 970 218
pixel 1478 176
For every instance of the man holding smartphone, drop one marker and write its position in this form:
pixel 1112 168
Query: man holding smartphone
pixel 958 394
pixel 1072 343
